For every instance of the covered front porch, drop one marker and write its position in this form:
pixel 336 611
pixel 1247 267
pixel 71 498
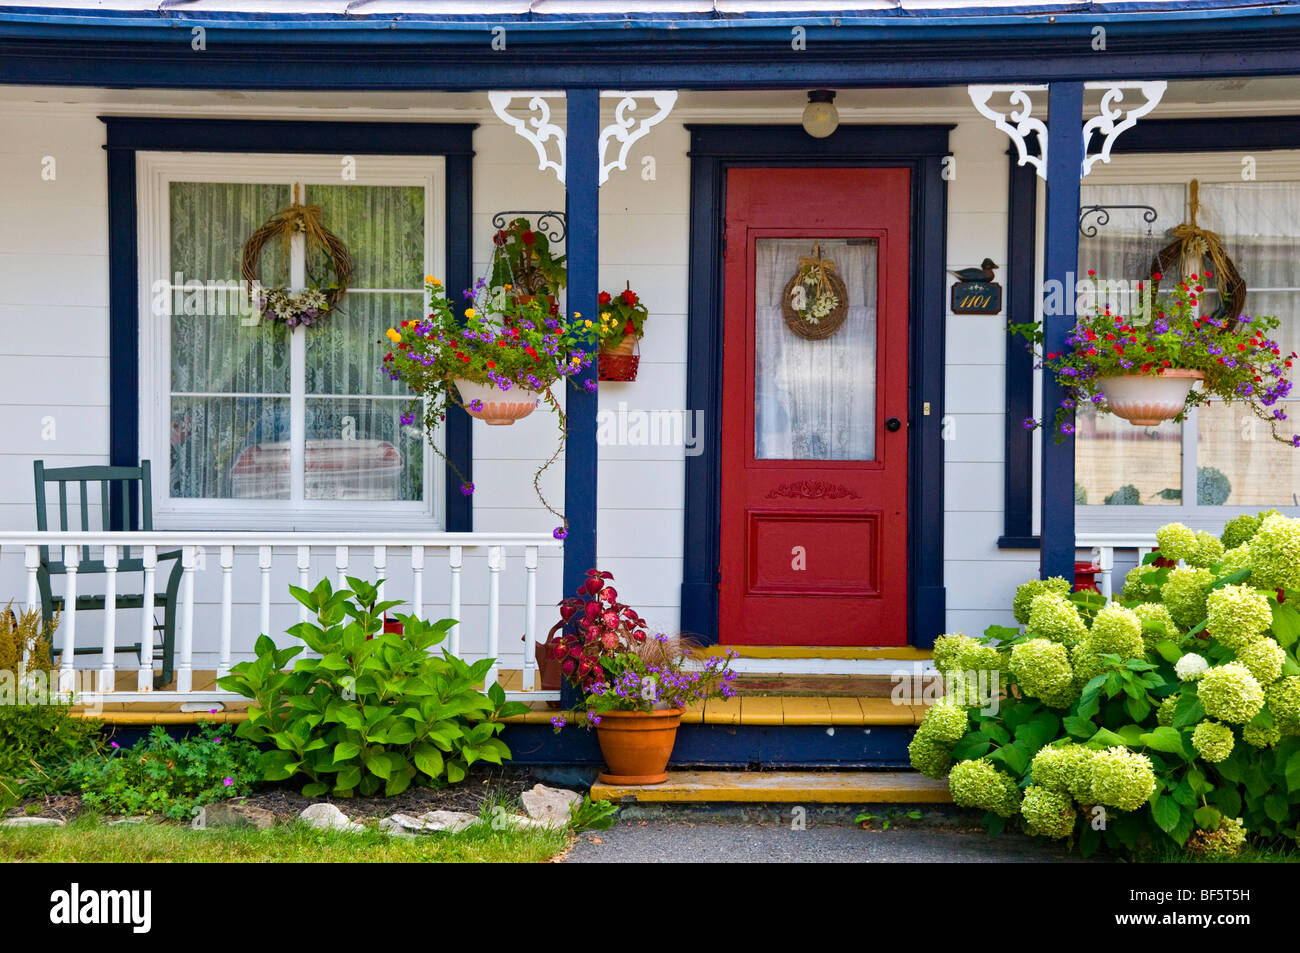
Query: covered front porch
pixel 639 167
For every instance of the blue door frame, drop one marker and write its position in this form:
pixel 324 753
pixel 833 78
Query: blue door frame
pixel 715 150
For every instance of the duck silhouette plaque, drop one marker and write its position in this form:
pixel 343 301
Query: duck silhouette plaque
pixel 975 291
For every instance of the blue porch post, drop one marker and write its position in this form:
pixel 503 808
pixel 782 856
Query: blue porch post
pixel 582 207
pixel 1061 258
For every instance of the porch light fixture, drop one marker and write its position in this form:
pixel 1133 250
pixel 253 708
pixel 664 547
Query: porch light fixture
pixel 820 117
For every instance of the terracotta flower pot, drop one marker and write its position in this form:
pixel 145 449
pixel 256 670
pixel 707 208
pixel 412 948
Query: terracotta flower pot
pixel 500 408
pixel 1145 400
pixel 637 745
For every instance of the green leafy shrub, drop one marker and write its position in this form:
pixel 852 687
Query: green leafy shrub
pixel 169 776
pixel 374 710
pixel 1169 717
pixel 38 743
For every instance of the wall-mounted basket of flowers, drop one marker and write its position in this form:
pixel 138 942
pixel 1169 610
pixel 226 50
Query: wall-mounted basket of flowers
pixel 499 364
pixel 524 267
pixel 622 325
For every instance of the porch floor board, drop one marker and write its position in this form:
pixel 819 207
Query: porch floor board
pixel 803 787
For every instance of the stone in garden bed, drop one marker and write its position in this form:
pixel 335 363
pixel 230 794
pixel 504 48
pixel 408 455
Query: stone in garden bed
pixel 327 817
pixel 237 814
pixel 405 825
pixel 552 806
pixel 32 822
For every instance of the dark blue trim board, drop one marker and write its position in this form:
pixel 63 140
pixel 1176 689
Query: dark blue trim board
pixel 1061 258
pixel 714 151
pixel 128 135
pixel 152 48
pixel 1021 280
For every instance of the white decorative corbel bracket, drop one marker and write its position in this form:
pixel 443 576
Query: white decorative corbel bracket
pixel 1106 125
pixel 1021 123
pixel 626 129
pixel 537 129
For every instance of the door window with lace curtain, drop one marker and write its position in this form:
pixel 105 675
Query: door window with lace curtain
pixel 1222 456
pixel 255 420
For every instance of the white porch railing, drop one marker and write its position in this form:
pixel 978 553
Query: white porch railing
pixel 366 555
pixel 1104 546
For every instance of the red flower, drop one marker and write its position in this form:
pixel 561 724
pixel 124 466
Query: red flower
pixel 528 237
pixel 491 365
pixel 1157 276
pixel 629 328
pixel 604 297
pixel 629 297
pixel 499 239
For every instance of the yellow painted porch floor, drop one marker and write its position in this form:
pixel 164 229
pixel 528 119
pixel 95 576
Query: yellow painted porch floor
pixel 761 700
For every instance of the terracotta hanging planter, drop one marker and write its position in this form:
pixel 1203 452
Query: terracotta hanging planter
pixel 499 408
pixel 1146 400
pixel 637 745
pixel 620 363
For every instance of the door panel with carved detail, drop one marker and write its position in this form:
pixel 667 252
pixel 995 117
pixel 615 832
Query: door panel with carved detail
pixel 814 425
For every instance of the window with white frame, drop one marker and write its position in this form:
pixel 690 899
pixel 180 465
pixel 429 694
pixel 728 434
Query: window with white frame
pixel 1221 460
pixel 255 423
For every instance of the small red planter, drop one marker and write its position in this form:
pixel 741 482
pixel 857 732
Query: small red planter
pixel 619 363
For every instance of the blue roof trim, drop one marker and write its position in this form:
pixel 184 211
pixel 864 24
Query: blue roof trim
pixel 1137 16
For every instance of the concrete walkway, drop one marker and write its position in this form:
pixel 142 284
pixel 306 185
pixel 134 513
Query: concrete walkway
pixel 722 841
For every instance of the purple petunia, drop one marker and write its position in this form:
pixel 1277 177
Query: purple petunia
pixel 467 489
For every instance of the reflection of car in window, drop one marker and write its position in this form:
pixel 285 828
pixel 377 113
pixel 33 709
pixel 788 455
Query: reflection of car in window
pixel 336 469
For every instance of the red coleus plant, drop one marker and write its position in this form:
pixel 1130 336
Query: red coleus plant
pixel 594 626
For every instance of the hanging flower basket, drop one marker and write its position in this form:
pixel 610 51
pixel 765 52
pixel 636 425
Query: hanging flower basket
pixel 815 301
pixel 620 362
pixel 495 407
pixel 1145 400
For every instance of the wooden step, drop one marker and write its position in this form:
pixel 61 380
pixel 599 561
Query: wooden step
pixel 787 787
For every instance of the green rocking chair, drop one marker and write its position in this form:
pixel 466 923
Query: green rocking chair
pixel 115 483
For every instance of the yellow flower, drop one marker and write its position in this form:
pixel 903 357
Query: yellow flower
pixel 469 312
pixel 604 315
pixel 506 287
pixel 430 280
pixel 577 314
pixel 394 336
pixel 586 324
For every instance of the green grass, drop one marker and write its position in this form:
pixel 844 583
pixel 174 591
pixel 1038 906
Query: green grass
pixel 1249 855
pixel 89 840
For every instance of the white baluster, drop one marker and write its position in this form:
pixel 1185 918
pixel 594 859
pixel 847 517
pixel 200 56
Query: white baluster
pixel 67 677
pixel 144 679
pixel 227 608
pixel 530 617
pixel 381 569
pixel 32 560
pixel 185 670
pixel 107 675
pixel 304 566
pixel 417 581
pixel 341 567
pixel 496 562
pixel 455 559
pixel 264 600
pixel 1106 560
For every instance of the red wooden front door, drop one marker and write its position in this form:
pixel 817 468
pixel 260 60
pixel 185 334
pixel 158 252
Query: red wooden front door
pixel 814 425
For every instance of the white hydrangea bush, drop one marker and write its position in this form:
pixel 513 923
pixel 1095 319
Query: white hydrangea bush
pixel 1170 714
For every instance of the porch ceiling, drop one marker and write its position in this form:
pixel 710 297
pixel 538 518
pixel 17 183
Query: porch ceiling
pixel 1225 97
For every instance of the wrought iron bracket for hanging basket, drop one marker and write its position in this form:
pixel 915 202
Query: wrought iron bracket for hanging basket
pixel 1102 212
pixel 551 223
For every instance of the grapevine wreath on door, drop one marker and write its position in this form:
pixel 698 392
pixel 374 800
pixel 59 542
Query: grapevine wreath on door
pixel 815 301
pixel 310 304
